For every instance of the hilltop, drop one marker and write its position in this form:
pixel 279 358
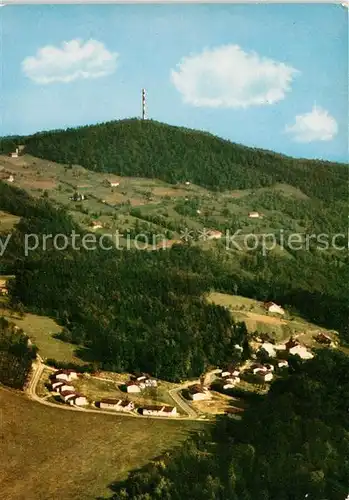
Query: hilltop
pixel 175 154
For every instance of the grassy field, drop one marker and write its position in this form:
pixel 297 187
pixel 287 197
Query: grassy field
pixel 7 221
pixel 41 330
pixel 51 454
pixel 257 319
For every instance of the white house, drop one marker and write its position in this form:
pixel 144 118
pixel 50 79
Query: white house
pixel 11 179
pixel 301 351
pixel 78 400
pixel 133 387
pixel 198 393
pixel 65 387
pixel 282 363
pixel 114 183
pixel 230 371
pixel 254 215
pixel 160 411
pixel 274 308
pixel 229 383
pixel 67 375
pixel 269 349
pixel 55 384
pixel 67 395
pixel 265 376
pixel 116 404
pixel 257 368
pixel 96 224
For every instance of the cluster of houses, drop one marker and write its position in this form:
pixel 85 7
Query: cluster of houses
pixel 140 381
pixel 61 382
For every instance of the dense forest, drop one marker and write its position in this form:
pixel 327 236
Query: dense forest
pixel 290 445
pixel 16 355
pixel 174 154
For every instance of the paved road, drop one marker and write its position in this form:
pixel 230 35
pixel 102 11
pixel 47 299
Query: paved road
pixel 38 368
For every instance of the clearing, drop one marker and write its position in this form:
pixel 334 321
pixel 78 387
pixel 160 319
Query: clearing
pixel 68 455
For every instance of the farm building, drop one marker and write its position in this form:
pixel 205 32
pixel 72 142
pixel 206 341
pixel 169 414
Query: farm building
pixel 55 384
pixel 229 383
pixel 66 386
pixel 116 404
pixel 159 411
pixel 254 215
pixel 274 308
pixel 114 183
pixel 199 393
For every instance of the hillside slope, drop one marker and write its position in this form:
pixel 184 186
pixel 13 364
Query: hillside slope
pixel 175 154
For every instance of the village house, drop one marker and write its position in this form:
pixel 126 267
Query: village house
pixel 268 349
pixel 15 154
pixel 10 178
pixel 301 351
pixel 159 411
pixel 282 363
pixel 291 343
pixel 265 376
pixel 256 368
pixel 199 393
pixel 55 384
pixel 230 371
pixel 114 183
pixel 67 395
pixel 116 404
pixel 66 386
pixel 78 400
pixel 274 308
pixel 133 386
pixel 254 215
pixel 67 375
pixel 214 235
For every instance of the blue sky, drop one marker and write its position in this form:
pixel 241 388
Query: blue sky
pixel 270 76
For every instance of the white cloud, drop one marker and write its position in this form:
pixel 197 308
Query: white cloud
pixel 71 61
pixel 228 77
pixel 317 125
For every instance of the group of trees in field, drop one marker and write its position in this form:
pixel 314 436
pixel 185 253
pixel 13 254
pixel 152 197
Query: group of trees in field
pixel 292 444
pixel 16 355
pixel 152 149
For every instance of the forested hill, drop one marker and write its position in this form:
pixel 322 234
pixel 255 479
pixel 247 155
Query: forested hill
pixel 174 154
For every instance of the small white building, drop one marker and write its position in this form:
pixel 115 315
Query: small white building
pixel 78 400
pixel 282 363
pixel 133 387
pixel 65 387
pixel 55 384
pixel 159 411
pixel 66 396
pixel 301 351
pixel 257 369
pixel 15 154
pixel 116 404
pixel 187 183
pixel 269 349
pixel 11 179
pixel 274 308
pixel 230 383
pixel 254 215
pixel 266 376
pixel 198 393
pixel 96 224
pixel 114 183
pixel 67 375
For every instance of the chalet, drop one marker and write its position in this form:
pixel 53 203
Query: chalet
pixel 254 215
pixel 159 411
pixel 214 235
pixel 268 349
pixel 132 386
pixel 67 375
pixel 116 404
pixel 55 384
pixel 199 393
pixel 274 308
pixel 64 387
pixel 67 395
pixel 78 400
pixel 301 351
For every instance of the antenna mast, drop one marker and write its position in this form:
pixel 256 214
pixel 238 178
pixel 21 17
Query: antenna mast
pixel 143 104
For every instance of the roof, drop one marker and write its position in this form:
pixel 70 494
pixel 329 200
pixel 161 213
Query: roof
pixel 132 382
pixel 196 388
pixel 110 401
pixel 153 407
pixel 68 393
pixel 291 343
pixel 168 409
pixel 66 372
